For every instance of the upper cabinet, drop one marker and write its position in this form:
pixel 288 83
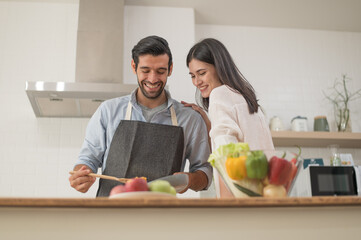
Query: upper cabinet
pixel 316 139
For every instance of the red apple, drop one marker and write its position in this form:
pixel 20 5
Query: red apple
pixel 136 184
pixel 117 189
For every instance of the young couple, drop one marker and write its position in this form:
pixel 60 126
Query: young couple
pixel 147 133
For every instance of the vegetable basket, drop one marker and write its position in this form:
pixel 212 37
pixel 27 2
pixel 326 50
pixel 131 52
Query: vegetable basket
pixel 279 168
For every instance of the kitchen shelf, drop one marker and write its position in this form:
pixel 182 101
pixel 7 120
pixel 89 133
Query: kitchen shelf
pixel 316 139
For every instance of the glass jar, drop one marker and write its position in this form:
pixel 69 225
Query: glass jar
pixel 335 159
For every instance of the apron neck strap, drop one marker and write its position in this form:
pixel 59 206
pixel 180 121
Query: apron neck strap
pixel 173 116
pixel 128 114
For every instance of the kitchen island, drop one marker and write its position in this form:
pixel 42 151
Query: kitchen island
pixel 164 218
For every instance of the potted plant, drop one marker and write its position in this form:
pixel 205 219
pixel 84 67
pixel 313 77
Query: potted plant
pixel 340 96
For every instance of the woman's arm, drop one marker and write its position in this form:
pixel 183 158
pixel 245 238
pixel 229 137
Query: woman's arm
pixel 225 111
pixel 204 116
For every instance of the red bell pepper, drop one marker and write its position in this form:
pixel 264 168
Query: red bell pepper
pixel 280 171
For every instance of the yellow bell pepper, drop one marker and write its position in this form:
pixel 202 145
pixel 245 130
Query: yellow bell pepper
pixel 236 167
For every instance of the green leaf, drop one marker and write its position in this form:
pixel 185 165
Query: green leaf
pixel 247 191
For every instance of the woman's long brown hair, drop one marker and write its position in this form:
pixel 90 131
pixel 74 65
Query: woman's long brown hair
pixel 214 52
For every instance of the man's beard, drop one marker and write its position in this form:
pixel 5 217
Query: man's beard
pixel 153 95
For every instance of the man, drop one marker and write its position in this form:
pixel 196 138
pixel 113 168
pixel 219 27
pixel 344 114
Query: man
pixel 146 133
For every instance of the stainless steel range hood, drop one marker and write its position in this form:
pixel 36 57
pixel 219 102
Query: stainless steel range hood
pixel 99 61
pixel 60 99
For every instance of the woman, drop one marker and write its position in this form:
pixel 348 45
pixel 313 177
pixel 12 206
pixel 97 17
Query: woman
pixel 228 97
pixel 234 113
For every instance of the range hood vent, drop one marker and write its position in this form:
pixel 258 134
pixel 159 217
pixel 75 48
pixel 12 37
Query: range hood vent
pixel 60 99
pixel 99 61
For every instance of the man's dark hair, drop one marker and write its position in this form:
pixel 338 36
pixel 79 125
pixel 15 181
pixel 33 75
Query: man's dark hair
pixel 152 45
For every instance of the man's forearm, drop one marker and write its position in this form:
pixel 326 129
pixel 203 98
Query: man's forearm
pixel 198 180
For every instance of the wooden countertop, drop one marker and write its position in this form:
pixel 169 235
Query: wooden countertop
pixel 180 203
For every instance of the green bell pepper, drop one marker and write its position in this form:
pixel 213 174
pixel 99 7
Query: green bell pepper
pixel 256 165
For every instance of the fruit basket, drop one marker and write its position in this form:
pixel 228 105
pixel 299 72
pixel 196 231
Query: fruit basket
pixel 248 173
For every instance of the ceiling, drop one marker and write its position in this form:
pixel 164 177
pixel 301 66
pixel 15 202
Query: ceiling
pixel 333 15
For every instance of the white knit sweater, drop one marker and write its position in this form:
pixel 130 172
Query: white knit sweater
pixel 232 122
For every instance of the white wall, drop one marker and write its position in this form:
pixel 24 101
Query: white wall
pixel 38 42
pixel 176 25
pixel 289 69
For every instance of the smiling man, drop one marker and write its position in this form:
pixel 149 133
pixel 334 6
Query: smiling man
pixel 152 74
pixel 146 133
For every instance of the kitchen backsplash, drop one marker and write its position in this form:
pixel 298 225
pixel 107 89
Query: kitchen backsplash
pixel 287 67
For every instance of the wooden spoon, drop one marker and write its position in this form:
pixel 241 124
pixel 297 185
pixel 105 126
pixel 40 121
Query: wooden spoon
pixel 122 180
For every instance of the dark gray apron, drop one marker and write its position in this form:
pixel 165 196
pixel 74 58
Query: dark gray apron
pixel 141 149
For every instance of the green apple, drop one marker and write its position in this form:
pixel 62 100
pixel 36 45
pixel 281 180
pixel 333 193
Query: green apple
pixel 173 191
pixel 162 186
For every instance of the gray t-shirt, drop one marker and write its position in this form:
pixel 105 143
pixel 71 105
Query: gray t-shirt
pixel 148 113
